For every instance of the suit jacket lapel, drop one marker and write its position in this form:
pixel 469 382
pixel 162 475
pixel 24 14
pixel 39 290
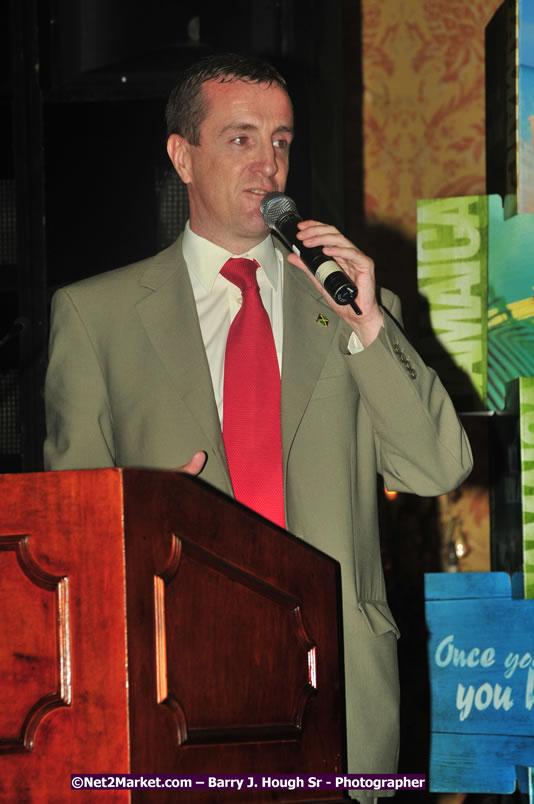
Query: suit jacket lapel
pixel 306 345
pixel 168 313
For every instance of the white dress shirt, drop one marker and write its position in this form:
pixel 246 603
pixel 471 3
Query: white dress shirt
pixel 218 300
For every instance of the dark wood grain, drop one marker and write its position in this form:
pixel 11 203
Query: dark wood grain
pixel 72 523
pixel 151 625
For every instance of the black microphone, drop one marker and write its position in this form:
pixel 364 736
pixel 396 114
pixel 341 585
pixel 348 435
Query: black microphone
pixel 280 214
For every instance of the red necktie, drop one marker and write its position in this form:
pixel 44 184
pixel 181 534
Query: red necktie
pixel 251 402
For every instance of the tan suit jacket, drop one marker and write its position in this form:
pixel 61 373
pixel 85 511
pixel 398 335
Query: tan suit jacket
pixel 129 384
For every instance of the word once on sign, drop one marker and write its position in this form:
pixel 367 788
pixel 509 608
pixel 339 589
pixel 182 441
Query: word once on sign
pixel 486 694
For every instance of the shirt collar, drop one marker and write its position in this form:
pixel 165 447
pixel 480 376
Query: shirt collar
pixel 205 259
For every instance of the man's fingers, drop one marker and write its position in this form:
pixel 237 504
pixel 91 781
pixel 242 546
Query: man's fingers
pixel 195 465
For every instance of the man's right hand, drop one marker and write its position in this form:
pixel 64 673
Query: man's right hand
pixel 195 465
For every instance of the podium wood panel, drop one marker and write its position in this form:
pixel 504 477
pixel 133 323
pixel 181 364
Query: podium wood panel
pixel 71 525
pixel 150 625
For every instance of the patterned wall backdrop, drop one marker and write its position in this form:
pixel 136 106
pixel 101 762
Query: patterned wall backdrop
pixel 424 114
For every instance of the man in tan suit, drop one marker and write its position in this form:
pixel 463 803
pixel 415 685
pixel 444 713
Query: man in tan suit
pixel 137 362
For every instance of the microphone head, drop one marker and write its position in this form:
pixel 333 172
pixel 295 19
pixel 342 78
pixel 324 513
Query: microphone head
pixel 274 205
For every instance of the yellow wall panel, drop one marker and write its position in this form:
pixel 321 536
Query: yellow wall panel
pixel 423 108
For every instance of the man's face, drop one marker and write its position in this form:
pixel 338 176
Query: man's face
pixel 243 154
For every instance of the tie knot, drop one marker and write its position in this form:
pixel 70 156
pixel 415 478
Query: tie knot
pixel 241 272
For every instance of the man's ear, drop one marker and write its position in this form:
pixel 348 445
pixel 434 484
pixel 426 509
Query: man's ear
pixel 178 150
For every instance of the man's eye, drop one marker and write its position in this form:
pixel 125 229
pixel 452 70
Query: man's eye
pixel 282 144
pixel 240 140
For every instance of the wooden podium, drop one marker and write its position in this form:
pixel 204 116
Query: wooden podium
pixel 150 625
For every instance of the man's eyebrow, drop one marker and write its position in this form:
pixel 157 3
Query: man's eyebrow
pixel 284 129
pixel 237 126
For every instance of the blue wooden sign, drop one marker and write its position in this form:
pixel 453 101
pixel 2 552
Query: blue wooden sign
pixel 481 658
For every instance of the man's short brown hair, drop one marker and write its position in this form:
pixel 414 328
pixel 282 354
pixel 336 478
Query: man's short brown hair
pixel 187 107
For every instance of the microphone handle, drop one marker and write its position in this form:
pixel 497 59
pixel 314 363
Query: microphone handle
pixel 287 228
pixel 327 271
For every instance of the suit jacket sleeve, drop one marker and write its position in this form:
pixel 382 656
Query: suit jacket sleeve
pixel 420 444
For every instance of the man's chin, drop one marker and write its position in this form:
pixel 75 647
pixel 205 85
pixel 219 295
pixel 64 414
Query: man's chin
pixel 256 225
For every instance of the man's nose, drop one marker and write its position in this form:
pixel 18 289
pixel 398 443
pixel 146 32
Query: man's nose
pixel 267 159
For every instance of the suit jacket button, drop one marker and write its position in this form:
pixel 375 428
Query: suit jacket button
pixel 413 374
